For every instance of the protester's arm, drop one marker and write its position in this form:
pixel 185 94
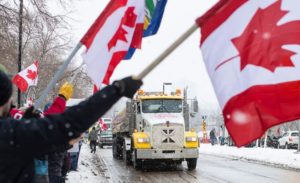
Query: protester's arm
pixel 59 103
pixel 32 137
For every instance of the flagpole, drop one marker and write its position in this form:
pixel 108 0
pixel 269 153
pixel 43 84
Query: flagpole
pixel 57 76
pixel 166 53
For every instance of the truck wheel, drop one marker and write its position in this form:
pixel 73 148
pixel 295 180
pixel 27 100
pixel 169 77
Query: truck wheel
pixel 191 163
pixel 137 164
pixel 126 154
pixel 114 149
pixel 119 148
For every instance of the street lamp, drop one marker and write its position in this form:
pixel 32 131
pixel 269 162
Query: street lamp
pixel 164 86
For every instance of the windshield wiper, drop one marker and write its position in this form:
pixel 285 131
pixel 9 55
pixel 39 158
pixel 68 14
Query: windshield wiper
pixel 163 106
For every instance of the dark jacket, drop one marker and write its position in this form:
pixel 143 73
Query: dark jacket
pixel 22 140
pixel 93 136
pixel 55 163
pixel 212 134
pixel 55 159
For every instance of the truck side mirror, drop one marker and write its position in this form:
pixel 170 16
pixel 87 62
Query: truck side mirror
pixel 128 107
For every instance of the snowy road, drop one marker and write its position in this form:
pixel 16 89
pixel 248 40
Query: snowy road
pixel 209 169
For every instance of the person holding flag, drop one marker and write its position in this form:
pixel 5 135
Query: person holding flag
pixel 48 168
pixel 22 140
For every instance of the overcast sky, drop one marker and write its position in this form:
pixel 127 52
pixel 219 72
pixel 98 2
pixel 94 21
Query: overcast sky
pixel 184 67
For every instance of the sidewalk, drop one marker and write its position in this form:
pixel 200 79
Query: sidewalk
pixel 283 158
pixel 87 171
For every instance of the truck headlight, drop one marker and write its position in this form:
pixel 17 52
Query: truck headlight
pixel 191 139
pixel 143 140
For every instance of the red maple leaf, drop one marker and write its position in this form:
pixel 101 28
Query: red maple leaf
pixel 31 74
pixel 128 20
pixel 261 42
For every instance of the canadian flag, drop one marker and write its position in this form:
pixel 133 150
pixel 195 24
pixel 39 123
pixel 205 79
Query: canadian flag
pixel 27 77
pixel 102 125
pixel 118 27
pixel 251 50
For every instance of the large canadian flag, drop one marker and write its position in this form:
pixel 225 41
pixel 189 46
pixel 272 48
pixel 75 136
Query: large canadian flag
pixel 27 77
pixel 251 49
pixel 118 27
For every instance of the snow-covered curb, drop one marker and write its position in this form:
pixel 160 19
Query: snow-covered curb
pixel 282 158
pixel 87 170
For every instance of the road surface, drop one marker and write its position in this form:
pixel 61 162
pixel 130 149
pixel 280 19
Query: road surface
pixel 209 169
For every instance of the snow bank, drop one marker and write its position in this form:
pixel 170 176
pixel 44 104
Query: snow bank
pixel 86 171
pixel 279 157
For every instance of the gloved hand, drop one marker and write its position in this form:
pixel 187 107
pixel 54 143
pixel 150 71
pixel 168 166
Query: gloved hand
pixel 66 90
pixel 127 86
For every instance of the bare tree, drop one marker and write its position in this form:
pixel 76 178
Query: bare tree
pixel 46 38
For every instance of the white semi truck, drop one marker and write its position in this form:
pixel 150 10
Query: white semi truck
pixel 153 129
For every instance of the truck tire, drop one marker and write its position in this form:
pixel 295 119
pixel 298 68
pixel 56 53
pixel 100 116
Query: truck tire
pixel 114 149
pixel 126 154
pixel 137 164
pixel 119 148
pixel 191 163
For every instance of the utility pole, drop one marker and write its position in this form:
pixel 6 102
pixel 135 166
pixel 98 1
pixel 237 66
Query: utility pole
pixel 20 46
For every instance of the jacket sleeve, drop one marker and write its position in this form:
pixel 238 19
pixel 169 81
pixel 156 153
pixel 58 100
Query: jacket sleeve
pixel 31 137
pixel 58 106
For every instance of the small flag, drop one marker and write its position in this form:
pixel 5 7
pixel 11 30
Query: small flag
pixel 103 126
pixel 27 77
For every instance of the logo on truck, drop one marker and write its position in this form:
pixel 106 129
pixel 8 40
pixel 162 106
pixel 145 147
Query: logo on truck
pixel 168 134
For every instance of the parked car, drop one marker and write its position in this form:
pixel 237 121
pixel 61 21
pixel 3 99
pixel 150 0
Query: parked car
pixel 289 140
pixel 272 141
pixel 105 138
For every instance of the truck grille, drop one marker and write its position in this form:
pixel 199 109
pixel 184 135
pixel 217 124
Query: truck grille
pixel 171 137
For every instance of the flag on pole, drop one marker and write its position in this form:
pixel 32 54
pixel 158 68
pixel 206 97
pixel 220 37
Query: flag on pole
pixel 251 52
pixel 117 28
pixel 154 11
pixel 27 77
pixel 103 126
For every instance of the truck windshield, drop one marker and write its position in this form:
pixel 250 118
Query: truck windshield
pixel 162 106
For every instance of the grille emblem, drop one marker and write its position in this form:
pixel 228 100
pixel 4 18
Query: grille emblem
pixel 168 133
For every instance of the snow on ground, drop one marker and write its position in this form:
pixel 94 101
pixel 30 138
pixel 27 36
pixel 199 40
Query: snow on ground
pixel 87 170
pixel 286 158
pixel 90 171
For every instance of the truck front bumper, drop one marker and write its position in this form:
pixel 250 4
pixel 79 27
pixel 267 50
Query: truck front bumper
pixel 167 154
